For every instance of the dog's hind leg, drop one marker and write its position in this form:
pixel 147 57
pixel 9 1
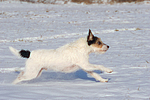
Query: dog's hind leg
pixel 27 75
pixel 18 78
pixel 31 72
pixel 96 76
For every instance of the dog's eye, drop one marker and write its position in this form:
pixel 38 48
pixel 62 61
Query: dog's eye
pixel 99 43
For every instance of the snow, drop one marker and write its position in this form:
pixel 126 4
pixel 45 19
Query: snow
pixel 124 27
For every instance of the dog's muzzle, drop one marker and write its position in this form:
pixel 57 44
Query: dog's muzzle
pixel 105 47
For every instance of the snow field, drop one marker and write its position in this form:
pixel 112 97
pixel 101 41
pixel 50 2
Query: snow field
pixel 124 27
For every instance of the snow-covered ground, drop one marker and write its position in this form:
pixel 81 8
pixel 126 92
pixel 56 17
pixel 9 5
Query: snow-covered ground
pixel 124 27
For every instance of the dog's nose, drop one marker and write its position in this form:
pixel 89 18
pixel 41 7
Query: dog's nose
pixel 107 46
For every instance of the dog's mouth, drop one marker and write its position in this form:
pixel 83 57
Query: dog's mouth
pixel 102 50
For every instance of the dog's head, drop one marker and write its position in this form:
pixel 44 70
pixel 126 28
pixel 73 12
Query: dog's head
pixel 96 43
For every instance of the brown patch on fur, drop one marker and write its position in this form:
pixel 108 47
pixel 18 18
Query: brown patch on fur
pixel 98 43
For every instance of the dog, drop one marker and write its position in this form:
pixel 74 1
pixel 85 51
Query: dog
pixel 68 58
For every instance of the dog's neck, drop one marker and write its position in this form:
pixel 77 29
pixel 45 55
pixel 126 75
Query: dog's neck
pixel 83 46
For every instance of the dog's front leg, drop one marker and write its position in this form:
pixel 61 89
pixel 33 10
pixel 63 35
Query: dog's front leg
pixel 91 67
pixel 102 68
pixel 97 77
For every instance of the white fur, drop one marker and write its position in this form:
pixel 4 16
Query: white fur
pixel 14 51
pixel 68 58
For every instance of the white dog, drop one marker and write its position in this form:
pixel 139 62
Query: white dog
pixel 68 58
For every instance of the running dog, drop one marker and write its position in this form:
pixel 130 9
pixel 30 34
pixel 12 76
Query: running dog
pixel 68 58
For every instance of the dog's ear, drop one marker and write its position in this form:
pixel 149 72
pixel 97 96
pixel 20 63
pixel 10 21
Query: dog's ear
pixel 91 39
pixel 90 36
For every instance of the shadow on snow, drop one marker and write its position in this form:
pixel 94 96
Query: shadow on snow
pixel 58 76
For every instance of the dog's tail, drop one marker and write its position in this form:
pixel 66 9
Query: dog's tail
pixel 22 53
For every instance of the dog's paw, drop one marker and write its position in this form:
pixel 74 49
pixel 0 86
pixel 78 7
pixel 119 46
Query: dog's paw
pixel 104 80
pixel 109 71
